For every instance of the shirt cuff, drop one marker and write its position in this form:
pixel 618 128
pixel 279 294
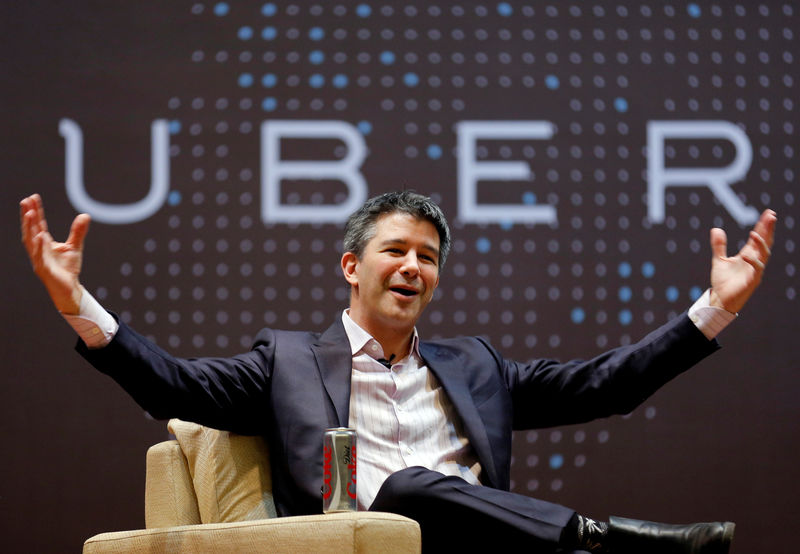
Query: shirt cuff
pixel 94 325
pixel 709 319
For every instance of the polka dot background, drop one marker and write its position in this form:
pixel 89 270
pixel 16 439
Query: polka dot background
pixel 211 273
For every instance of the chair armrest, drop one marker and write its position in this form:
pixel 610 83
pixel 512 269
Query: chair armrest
pixel 357 532
pixel 169 497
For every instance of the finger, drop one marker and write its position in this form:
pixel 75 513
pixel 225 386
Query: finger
pixel 719 243
pixel 30 228
pixel 40 211
pixel 42 246
pixel 765 226
pixel 26 205
pixel 27 228
pixel 31 206
pixel 78 230
pixel 34 223
pixel 23 223
pixel 759 244
pixel 35 251
pixel 755 262
pixel 28 202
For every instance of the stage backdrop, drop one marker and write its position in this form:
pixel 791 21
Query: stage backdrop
pixel 581 150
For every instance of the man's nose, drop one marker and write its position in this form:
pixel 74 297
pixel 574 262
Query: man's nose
pixel 410 265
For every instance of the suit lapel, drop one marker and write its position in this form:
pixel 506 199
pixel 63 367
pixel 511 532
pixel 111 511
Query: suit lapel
pixel 449 370
pixel 335 363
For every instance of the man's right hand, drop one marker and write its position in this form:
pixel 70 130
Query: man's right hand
pixel 57 264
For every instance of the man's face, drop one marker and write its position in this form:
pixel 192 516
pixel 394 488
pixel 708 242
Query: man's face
pixel 395 278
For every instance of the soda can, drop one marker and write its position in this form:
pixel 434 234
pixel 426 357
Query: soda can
pixel 339 470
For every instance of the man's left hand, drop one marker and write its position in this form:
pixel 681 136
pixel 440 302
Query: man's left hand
pixel 734 279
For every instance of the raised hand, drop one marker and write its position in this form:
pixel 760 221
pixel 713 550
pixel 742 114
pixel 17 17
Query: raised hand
pixel 734 279
pixel 57 264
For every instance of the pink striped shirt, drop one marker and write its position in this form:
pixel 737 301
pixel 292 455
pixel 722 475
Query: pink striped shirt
pixel 403 417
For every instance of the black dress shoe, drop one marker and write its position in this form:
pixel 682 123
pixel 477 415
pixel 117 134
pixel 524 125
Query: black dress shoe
pixel 632 536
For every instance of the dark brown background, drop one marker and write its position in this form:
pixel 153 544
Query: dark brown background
pixel 203 273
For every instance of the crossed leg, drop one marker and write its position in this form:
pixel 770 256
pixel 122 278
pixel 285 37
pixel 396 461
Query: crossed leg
pixel 457 516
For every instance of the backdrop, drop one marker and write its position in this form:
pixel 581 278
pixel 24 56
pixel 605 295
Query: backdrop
pixel 581 150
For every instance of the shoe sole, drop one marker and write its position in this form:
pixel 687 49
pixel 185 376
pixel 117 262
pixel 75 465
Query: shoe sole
pixel 728 529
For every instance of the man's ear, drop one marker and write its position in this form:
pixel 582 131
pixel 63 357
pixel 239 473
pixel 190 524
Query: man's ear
pixel 350 268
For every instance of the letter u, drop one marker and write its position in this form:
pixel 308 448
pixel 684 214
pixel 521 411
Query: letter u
pixel 117 214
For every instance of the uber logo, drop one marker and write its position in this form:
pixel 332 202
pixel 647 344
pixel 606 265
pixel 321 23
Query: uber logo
pixel 275 169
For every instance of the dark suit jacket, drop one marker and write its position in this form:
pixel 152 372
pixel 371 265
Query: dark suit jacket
pixel 293 385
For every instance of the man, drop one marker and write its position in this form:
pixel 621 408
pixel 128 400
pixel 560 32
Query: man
pixel 434 418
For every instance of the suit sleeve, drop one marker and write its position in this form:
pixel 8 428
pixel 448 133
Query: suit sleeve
pixel 547 393
pixel 224 393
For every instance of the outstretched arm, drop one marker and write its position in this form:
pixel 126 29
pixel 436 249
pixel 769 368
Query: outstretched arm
pixel 57 264
pixel 734 279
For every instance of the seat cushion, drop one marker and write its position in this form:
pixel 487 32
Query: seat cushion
pixel 231 473
pixel 353 532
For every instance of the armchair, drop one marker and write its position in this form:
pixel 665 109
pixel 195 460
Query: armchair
pixel 210 491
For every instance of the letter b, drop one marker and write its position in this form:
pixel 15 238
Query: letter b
pixel 274 170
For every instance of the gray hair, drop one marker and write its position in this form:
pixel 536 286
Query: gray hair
pixel 361 224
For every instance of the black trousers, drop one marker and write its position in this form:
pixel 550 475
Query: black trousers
pixel 456 516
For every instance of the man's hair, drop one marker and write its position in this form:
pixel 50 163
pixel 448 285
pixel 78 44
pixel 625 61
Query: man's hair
pixel 361 224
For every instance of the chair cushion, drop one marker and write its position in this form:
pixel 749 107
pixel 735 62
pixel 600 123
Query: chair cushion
pixel 354 532
pixel 231 473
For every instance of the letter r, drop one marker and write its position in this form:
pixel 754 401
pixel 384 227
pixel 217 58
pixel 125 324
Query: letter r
pixel 717 179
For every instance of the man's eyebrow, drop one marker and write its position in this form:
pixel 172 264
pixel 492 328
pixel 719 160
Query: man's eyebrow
pixel 427 246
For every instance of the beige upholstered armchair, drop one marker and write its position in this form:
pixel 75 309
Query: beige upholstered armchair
pixel 211 491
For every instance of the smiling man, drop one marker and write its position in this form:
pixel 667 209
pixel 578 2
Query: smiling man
pixel 393 277
pixel 434 418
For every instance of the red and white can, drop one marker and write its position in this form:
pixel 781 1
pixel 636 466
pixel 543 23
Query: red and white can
pixel 339 470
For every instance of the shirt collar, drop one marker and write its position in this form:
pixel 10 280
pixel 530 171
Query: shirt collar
pixel 359 338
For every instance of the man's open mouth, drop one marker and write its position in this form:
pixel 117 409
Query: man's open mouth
pixel 404 292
